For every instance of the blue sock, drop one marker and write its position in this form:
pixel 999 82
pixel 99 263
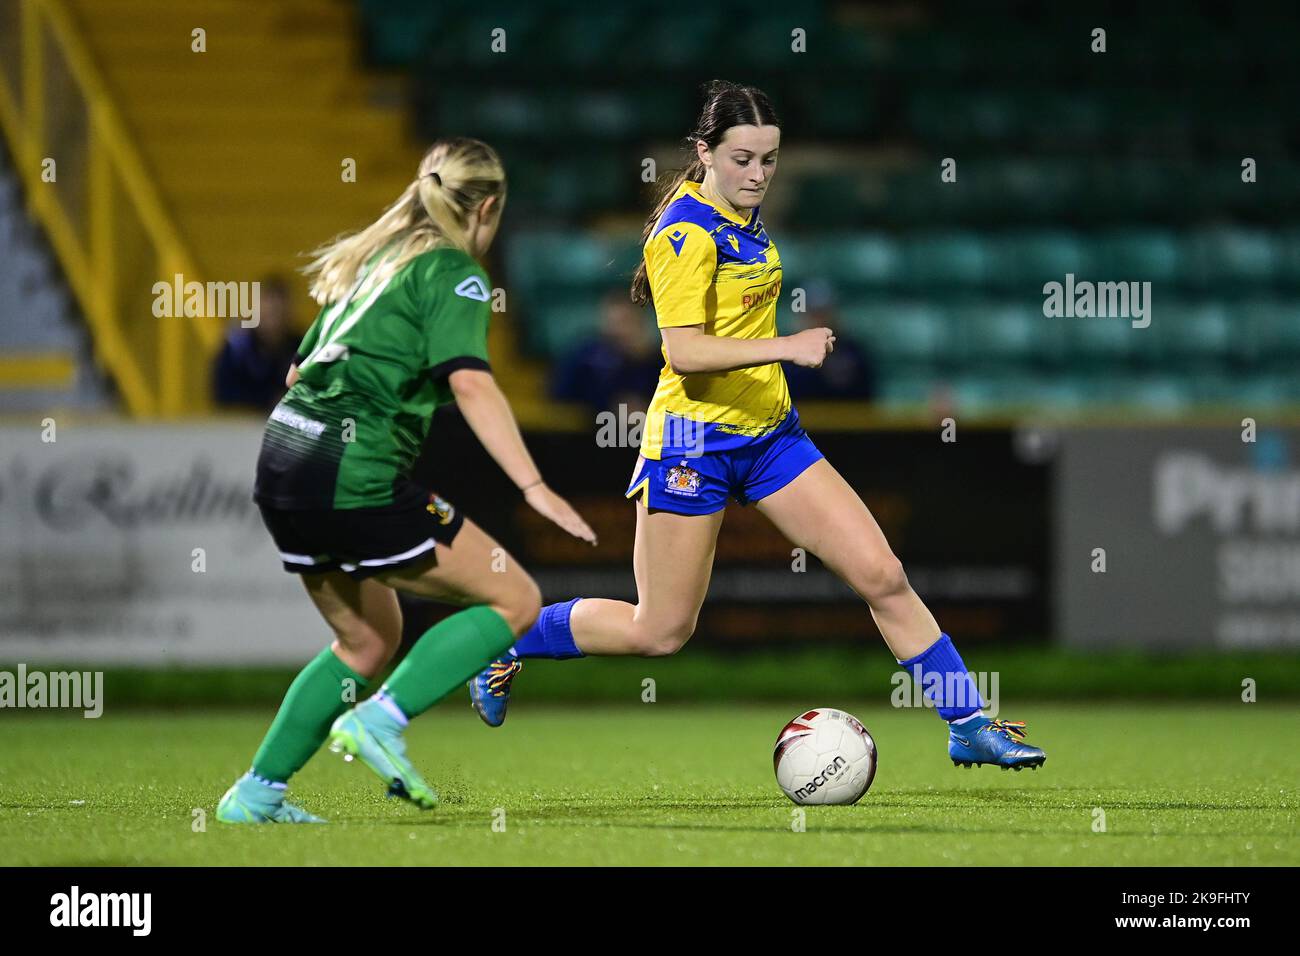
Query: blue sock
pixel 944 679
pixel 551 636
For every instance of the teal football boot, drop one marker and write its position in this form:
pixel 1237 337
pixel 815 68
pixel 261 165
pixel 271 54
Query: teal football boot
pixel 998 742
pixel 369 732
pixel 251 801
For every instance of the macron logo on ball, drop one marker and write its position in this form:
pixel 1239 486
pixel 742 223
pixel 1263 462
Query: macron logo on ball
pixel 473 288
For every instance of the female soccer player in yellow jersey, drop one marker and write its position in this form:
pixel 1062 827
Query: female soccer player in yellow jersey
pixel 402 330
pixel 721 426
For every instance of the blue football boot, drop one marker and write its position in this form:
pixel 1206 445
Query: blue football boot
pixel 997 742
pixel 489 691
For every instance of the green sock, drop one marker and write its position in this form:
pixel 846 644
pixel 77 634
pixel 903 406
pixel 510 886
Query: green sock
pixel 447 655
pixel 315 698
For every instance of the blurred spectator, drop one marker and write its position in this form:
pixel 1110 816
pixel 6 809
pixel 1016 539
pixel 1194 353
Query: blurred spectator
pixel 621 366
pixel 848 372
pixel 249 372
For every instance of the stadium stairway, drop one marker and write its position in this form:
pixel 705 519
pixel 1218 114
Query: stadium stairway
pixel 44 357
pixel 248 140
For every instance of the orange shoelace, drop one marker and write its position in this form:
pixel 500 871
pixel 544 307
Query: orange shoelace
pixel 1012 729
pixel 501 674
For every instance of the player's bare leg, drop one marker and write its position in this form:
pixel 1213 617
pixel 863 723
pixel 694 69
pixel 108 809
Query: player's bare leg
pixel 819 511
pixel 367 625
pixel 672 561
pixel 364 616
pixel 473 570
pixel 501 601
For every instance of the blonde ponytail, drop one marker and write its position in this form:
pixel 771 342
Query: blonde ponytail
pixel 454 177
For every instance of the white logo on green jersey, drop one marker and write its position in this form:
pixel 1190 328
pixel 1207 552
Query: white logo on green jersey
pixel 328 348
pixel 473 288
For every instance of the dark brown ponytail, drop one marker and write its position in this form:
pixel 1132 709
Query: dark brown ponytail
pixel 725 105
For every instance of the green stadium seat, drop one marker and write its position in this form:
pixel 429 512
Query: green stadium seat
pixel 581 41
pixel 832 110
pixel 1139 255
pixel 1274 325
pixel 1024 261
pixel 1024 189
pixel 556 325
pixel 1227 259
pixel 1007 334
pixel 901 388
pixel 1286 247
pixel 1162 394
pixel 908 333
pixel 491 113
pixel 918 197
pixel 1150 392
pixel 1260 391
pixel 565 260
pixel 1106 342
pixel 465 40
pixel 945 260
pixel 668 40
pixel 830 201
pixel 870 260
pixel 1192 332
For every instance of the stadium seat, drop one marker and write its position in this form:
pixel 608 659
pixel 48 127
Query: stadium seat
pixel 904 333
pixel 1008 335
pixel 1227 259
pixel 863 259
pixel 556 325
pixel 944 260
pixel 1139 255
pixel 1190 336
pixel 1024 261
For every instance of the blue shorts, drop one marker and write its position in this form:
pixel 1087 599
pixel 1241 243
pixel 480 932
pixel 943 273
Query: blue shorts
pixel 701 484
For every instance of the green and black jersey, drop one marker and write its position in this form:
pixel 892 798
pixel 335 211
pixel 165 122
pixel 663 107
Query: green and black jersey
pixel 372 369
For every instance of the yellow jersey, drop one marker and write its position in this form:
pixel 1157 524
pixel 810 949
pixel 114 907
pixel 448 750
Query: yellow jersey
pixel 711 268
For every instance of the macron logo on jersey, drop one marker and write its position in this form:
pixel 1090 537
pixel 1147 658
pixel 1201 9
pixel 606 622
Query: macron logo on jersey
pixel 676 240
pixel 473 288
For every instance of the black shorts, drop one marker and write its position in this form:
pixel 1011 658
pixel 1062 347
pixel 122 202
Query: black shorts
pixel 363 541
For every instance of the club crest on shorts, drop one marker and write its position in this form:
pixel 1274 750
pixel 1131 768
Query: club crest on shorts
pixel 682 480
pixel 440 507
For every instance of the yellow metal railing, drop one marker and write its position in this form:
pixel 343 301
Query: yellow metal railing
pixel 101 210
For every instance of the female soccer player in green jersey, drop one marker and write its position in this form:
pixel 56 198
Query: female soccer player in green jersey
pixel 402 330
pixel 721 425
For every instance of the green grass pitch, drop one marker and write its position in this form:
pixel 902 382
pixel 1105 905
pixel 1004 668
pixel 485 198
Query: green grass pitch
pixel 666 784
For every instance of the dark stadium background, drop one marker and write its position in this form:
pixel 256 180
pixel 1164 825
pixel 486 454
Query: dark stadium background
pixel 226 164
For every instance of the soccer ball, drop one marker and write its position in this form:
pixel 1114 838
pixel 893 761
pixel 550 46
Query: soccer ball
pixel 824 756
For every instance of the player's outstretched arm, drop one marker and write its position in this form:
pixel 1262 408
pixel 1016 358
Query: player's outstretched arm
pixel 690 349
pixel 487 410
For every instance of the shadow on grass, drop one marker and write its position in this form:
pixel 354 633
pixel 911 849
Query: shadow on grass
pixel 824 827
pixel 642 815
pixel 1047 799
